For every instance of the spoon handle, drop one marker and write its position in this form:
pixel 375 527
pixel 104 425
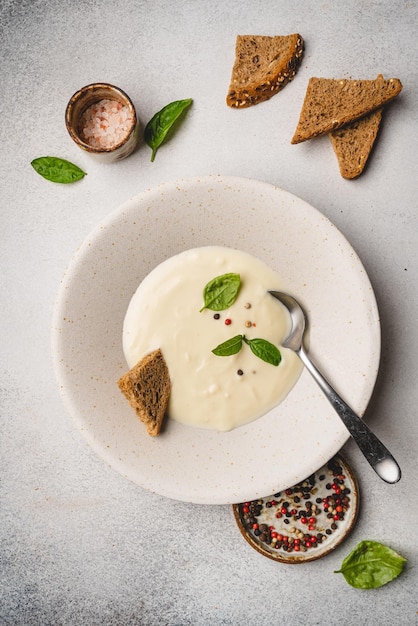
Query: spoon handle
pixel 373 449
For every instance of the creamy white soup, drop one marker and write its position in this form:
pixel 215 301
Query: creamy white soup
pixel 210 391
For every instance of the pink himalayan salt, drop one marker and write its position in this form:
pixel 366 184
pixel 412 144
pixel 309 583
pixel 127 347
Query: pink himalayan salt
pixel 105 124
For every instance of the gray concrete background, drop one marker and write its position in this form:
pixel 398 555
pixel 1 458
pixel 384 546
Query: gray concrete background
pixel 79 543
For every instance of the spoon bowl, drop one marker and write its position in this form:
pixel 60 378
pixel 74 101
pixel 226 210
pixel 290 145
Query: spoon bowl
pixel 373 449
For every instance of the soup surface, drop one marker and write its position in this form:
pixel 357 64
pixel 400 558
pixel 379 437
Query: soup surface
pixel 210 391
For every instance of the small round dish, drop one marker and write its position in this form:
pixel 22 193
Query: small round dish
pixel 89 96
pixel 305 522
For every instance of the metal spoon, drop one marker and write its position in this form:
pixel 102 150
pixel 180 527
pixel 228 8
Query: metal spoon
pixel 375 452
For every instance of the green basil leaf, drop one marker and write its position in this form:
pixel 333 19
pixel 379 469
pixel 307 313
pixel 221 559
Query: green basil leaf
pixel 370 565
pixel 264 350
pixel 229 347
pixel 57 170
pixel 159 125
pixel 221 292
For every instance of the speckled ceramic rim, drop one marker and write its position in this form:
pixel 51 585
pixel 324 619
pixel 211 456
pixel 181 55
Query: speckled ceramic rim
pixel 324 549
pixel 87 96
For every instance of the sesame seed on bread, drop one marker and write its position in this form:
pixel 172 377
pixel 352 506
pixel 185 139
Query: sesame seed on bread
pixel 147 388
pixel 353 143
pixel 263 66
pixel 331 104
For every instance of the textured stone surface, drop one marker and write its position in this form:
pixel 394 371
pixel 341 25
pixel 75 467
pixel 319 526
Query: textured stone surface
pixel 79 543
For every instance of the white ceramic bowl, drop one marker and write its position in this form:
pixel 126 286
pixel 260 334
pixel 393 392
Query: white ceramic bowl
pixel 317 265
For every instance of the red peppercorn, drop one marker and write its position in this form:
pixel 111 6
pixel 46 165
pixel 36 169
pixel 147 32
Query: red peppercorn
pixel 283 510
pixel 311 527
pixel 336 517
pixel 278 515
pixel 308 544
pixel 312 520
pixel 339 508
pixel 245 509
pixel 228 321
pixel 274 535
pixel 255 526
pixel 279 537
pixel 296 548
pixel 303 520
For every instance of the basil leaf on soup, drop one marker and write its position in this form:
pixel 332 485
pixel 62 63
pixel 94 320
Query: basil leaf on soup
pixel 229 347
pixel 264 350
pixel 221 292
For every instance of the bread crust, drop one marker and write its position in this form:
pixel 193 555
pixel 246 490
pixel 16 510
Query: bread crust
pixel 147 388
pixel 263 66
pixel 331 104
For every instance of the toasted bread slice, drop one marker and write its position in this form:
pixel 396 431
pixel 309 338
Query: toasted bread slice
pixel 263 66
pixel 330 104
pixel 353 143
pixel 147 388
